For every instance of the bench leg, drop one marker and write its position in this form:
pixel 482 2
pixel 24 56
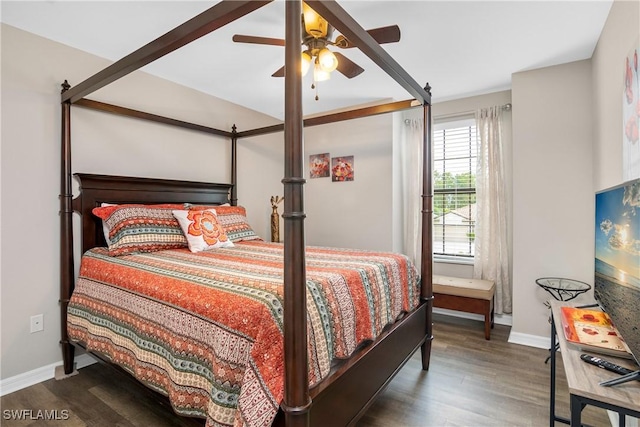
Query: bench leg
pixel 488 320
pixel 492 317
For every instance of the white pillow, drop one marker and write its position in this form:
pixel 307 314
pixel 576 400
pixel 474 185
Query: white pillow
pixel 105 229
pixel 202 229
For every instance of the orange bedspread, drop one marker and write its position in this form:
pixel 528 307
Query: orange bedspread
pixel 206 329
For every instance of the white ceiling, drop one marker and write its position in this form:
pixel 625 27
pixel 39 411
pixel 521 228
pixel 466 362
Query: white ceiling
pixel 462 48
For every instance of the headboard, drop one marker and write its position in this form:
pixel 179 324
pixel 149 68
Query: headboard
pixel 97 189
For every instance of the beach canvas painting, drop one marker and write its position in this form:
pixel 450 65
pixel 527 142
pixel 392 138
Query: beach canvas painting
pixel 617 259
pixel 618 233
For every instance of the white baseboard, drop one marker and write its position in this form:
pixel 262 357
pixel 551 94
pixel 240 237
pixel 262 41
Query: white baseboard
pixel 38 375
pixel 498 319
pixel 529 340
pixel 501 319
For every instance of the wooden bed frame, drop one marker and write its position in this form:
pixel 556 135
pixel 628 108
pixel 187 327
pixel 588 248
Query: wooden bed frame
pixel 352 385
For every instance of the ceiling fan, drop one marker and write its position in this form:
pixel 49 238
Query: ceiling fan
pixel 316 37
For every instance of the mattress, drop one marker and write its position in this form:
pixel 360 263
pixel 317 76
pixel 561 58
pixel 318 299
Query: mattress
pixel 206 328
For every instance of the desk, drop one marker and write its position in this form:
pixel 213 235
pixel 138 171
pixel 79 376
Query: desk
pixel 583 380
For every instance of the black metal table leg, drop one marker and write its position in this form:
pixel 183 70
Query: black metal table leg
pixel 576 406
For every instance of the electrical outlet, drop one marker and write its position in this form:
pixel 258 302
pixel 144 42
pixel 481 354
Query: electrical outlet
pixel 37 323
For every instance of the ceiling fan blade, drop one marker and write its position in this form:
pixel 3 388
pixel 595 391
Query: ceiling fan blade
pixel 279 73
pixel 258 40
pixel 390 34
pixel 347 67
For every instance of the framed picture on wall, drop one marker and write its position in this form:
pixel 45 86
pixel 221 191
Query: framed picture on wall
pixel 319 165
pixel 631 116
pixel 342 169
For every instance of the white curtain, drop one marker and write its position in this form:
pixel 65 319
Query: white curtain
pixel 491 260
pixel 410 149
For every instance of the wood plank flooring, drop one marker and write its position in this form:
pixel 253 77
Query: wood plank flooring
pixel 471 382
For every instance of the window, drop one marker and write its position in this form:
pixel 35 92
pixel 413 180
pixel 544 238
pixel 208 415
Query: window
pixel 454 184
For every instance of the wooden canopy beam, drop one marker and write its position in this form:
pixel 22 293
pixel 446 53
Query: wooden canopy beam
pixel 128 112
pixel 337 117
pixel 351 29
pixel 313 121
pixel 211 19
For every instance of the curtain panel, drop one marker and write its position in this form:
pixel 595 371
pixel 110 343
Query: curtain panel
pixel 410 150
pixel 491 261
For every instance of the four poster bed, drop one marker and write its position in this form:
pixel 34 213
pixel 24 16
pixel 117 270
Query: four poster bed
pixel 257 333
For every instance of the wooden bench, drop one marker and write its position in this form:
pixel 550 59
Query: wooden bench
pixel 468 295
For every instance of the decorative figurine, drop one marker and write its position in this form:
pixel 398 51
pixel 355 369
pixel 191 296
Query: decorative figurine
pixel 275 218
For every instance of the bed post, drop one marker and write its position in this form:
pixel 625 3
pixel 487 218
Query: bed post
pixel 234 165
pixel 296 402
pixel 66 233
pixel 426 272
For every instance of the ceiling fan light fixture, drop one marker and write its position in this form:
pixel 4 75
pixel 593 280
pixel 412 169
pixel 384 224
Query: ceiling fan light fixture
pixel 320 75
pixel 327 60
pixel 306 62
pixel 314 24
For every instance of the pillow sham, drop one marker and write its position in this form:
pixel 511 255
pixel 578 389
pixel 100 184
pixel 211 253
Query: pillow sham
pixel 202 229
pixel 141 228
pixel 106 212
pixel 234 221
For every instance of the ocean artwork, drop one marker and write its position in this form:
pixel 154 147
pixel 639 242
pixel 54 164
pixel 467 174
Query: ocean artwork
pixel 617 233
pixel 617 260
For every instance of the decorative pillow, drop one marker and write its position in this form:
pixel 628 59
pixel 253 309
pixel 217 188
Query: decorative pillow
pixel 202 229
pixel 105 229
pixel 234 221
pixel 141 228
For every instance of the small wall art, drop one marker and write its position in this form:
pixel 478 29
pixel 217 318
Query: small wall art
pixel 342 169
pixel 319 165
pixel 631 116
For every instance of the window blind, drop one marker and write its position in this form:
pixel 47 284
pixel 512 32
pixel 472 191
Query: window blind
pixel 454 204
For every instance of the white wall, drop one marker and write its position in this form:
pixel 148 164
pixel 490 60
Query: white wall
pixel 32 70
pixel 567 133
pixel 552 186
pixel 354 214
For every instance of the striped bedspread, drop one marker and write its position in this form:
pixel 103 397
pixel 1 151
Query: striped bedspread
pixel 206 329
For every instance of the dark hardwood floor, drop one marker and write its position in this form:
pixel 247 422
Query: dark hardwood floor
pixel 471 382
pixel 475 382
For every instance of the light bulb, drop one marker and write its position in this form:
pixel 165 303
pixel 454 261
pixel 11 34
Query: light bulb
pixel 306 62
pixel 328 61
pixel 320 75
